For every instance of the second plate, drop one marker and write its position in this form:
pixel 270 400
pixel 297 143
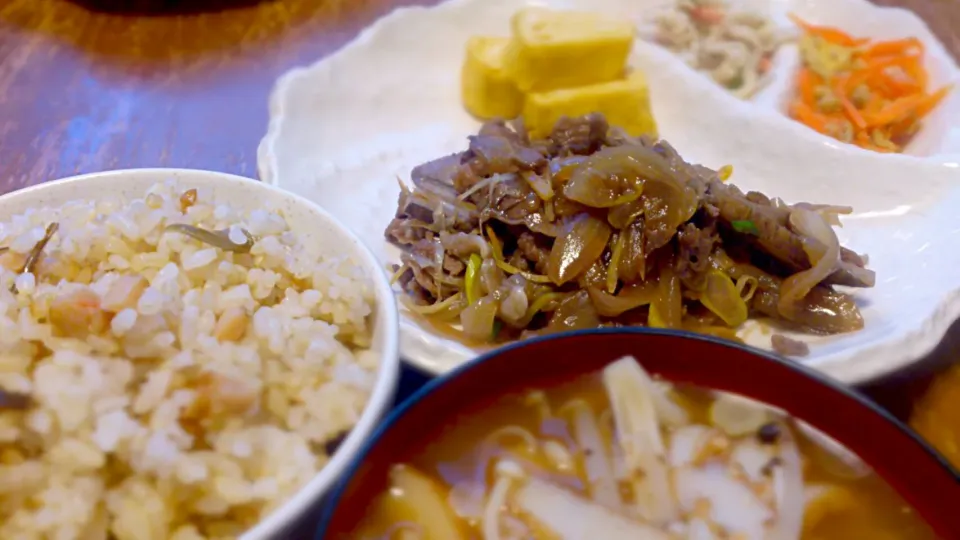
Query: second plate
pixel 344 129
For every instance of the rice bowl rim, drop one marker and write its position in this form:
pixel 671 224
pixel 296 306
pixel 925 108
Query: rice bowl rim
pixel 243 192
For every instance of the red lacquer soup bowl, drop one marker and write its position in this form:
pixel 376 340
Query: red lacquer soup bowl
pixel 921 477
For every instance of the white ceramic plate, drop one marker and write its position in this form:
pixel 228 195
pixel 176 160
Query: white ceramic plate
pixel 344 129
pixel 318 230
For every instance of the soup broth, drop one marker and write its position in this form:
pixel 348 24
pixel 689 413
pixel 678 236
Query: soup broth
pixel 619 455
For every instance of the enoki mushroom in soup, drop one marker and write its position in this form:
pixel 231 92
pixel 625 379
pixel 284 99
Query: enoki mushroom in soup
pixel 620 455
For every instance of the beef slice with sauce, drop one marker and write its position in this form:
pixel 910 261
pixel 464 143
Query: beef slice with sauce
pixel 778 240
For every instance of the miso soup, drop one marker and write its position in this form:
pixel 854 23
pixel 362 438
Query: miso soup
pixel 618 456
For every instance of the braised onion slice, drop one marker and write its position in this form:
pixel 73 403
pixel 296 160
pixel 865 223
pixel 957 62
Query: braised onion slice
pixel 721 296
pixel 478 318
pixel 630 297
pixel 562 169
pixel 817 232
pixel 539 184
pixel 610 177
pixel 613 270
pixel 575 312
pixel 540 304
pixel 666 310
pixel 633 262
pixel 667 205
pixel 575 251
pixel 445 309
pixel 573 516
pixel 622 215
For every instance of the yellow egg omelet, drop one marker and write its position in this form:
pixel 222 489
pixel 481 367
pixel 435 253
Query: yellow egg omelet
pixel 563 49
pixel 625 102
pixel 486 88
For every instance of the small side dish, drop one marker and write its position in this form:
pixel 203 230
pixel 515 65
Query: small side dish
pixel 589 227
pixel 874 94
pixel 172 366
pixel 734 47
pixel 620 455
pixel 556 64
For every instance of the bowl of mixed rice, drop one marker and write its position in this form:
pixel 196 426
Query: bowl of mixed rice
pixel 183 354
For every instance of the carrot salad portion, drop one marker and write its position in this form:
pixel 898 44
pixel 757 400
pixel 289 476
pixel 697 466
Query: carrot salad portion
pixel 874 94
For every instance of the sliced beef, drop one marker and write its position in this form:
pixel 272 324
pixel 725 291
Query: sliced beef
pixel 463 245
pixel 771 235
pixel 437 176
pixel 403 232
pixel 491 184
pixel 774 237
pixel 422 277
pixel 694 246
pixel 453 265
pixel 517 260
pixel 498 128
pixel 581 136
pixel 533 251
pixel 423 258
pixel 823 310
pixel 413 206
pixel 852 257
pixel 789 347
pixel 514 199
pixel 418 294
pixel 427 252
pixel 496 149
pixel 616 136
pixel 496 155
pixel 425 208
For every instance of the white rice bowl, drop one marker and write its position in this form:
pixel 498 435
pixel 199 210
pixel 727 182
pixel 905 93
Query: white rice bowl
pixel 180 390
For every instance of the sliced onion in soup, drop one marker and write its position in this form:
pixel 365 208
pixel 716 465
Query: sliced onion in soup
pixel 788 485
pixel 568 515
pixel 422 502
pixel 631 392
pixel 597 462
pixel 669 412
pixel 738 416
pixel 732 504
pixel 687 443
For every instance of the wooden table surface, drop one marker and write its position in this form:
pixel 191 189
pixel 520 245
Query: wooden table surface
pixel 84 91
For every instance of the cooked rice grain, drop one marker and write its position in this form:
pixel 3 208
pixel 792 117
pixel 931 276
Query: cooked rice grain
pixel 179 391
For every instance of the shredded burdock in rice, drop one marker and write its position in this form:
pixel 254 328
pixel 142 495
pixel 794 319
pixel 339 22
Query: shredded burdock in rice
pixel 160 384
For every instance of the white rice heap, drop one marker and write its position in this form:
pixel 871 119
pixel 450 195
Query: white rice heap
pixel 178 390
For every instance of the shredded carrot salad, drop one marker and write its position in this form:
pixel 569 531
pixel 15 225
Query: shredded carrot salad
pixel 870 93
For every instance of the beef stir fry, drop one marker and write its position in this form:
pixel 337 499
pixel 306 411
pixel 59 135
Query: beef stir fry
pixel 590 227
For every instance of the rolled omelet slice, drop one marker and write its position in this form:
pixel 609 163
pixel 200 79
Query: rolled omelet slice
pixel 625 103
pixel 563 49
pixel 486 88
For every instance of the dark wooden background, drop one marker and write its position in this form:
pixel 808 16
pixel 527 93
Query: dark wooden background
pixel 85 89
